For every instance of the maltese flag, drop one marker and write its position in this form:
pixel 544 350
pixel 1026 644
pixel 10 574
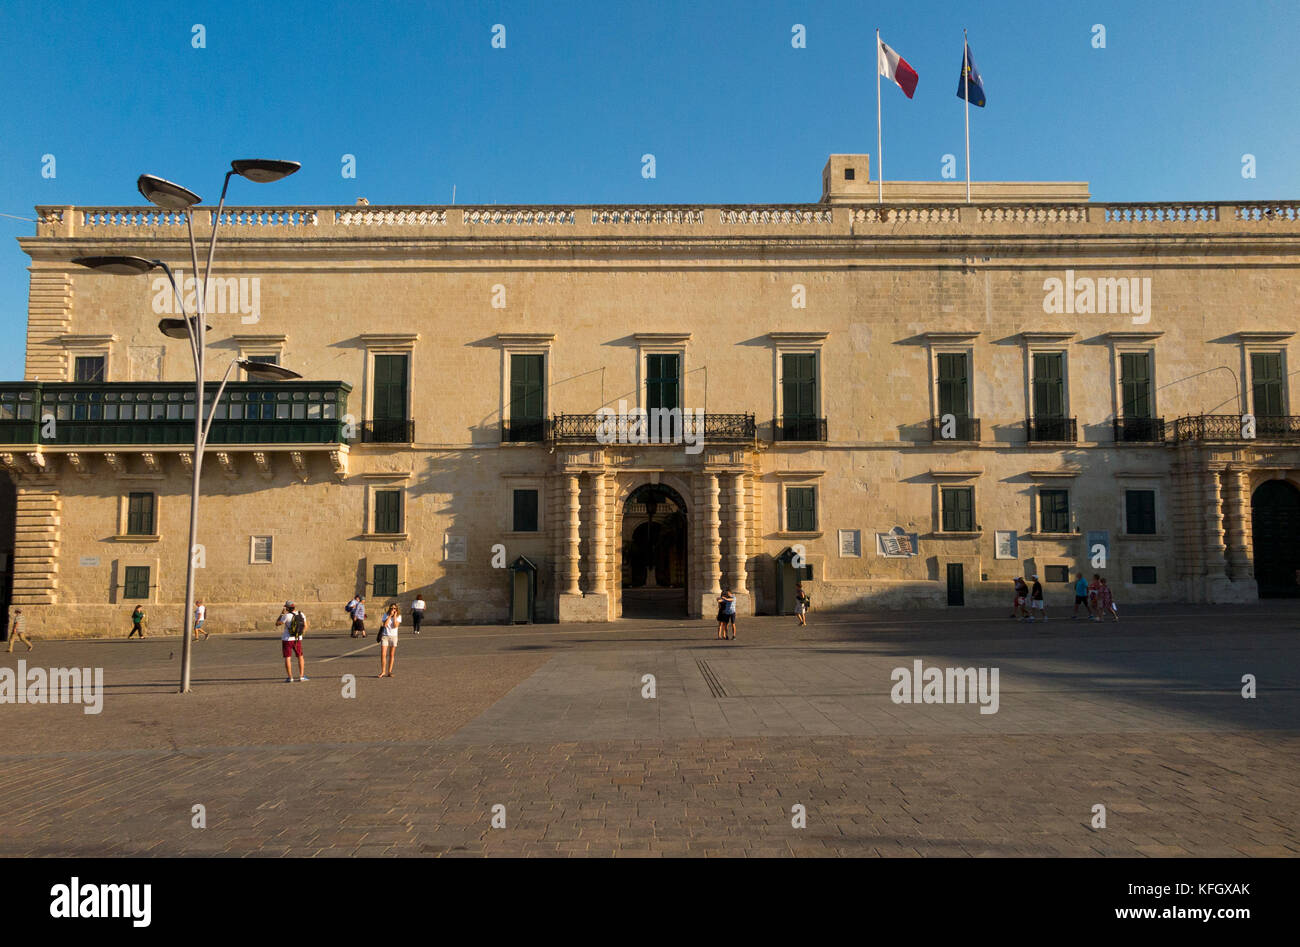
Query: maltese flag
pixel 895 67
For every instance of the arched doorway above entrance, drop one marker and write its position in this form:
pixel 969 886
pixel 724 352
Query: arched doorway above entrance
pixel 653 553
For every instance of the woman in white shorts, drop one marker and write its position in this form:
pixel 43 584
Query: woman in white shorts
pixel 388 640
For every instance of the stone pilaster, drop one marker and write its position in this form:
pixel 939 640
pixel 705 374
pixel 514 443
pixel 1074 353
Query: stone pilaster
pixel 572 535
pixel 1238 523
pixel 36 544
pixel 713 537
pixel 1215 563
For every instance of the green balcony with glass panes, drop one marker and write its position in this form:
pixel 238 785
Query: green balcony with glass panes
pixel 159 413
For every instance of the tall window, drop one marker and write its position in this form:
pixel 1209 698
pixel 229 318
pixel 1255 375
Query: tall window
pixel 88 368
pixel 139 514
pixel 1054 511
pixel 1135 385
pixel 385 584
pixel 1267 384
pixel 525 511
pixel 388 511
pixel 527 397
pixel 1140 511
pixel 663 391
pixel 801 509
pixel 958 505
pixel 390 401
pixel 798 391
pixel 136 582
pixel 954 384
pixel 1049 385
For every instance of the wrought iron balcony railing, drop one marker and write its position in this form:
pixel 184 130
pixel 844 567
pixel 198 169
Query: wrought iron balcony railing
pixel 523 432
pixel 1139 430
pixel 660 428
pixel 799 429
pixel 1230 428
pixel 388 431
pixel 291 412
pixel 953 428
pixel 1054 430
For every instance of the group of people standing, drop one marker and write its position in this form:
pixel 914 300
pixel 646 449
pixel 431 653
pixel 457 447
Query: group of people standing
pixel 727 611
pixel 1096 597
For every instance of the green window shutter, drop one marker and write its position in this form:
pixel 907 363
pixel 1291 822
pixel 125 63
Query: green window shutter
pixel 1049 385
pixel 139 514
pixel 801 509
pixel 1135 383
pixel 527 387
pixel 1266 377
pixel 385 581
pixel 388 511
pixel 663 388
pixel 525 509
pixel 390 387
pixel 958 504
pixel 799 387
pixel 1054 511
pixel 954 384
pixel 1140 511
pixel 135 582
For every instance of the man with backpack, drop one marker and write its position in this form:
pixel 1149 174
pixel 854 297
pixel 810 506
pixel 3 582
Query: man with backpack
pixel 293 624
pixel 358 613
pixel 351 608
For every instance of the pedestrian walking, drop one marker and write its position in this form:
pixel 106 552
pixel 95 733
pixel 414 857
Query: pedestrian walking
pixel 351 608
pixel 417 613
pixel 137 623
pixel 293 625
pixel 1020 604
pixel 1036 603
pixel 18 631
pixel 1107 597
pixel 801 602
pixel 1094 597
pixel 200 616
pixel 359 617
pixel 1081 597
pixel 723 618
pixel 388 639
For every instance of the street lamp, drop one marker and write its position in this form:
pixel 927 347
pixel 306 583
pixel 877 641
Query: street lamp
pixel 172 196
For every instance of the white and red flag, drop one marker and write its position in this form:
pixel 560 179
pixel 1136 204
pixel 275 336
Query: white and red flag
pixel 895 68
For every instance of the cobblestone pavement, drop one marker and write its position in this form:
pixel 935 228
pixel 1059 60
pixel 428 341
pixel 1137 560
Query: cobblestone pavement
pixel 1145 718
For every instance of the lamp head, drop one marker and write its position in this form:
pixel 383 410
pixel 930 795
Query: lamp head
pixel 166 194
pixel 117 265
pixel 264 170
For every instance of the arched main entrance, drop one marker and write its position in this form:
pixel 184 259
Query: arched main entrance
pixel 1275 523
pixel 653 546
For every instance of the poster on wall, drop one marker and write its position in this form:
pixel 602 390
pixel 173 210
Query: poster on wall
pixel 896 544
pixel 1006 544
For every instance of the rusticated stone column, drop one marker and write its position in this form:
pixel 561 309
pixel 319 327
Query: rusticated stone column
pixel 1238 490
pixel 713 538
pixel 572 536
pixel 598 548
pixel 1215 563
pixel 738 557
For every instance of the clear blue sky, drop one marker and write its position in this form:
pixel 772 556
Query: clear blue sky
pixel 715 90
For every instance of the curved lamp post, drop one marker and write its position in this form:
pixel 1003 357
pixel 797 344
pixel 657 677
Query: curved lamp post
pixel 171 196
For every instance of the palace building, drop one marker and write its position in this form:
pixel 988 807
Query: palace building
pixel 582 413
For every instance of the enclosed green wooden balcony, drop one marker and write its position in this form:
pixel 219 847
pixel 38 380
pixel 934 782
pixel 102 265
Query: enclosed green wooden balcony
pixel 157 413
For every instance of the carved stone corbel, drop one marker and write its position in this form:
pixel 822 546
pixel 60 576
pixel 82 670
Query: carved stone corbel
pixel 150 461
pixel 227 463
pixel 339 460
pixel 79 463
pixel 116 463
pixel 299 465
pixel 263 461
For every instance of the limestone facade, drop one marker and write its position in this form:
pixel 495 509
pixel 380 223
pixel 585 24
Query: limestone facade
pixel 883 302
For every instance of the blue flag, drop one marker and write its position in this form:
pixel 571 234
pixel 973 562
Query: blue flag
pixel 972 75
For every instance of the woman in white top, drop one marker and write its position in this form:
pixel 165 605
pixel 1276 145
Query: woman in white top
pixel 417 613
pixel 388 640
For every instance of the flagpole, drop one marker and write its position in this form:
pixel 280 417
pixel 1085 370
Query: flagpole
pixel 965 73
pixel 880 147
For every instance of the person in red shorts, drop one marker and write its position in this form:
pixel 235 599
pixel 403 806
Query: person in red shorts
pixel 293 624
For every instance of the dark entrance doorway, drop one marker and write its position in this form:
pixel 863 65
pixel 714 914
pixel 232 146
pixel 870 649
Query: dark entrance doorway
pixel 654 563
pixel 956 584
pixel 1275 523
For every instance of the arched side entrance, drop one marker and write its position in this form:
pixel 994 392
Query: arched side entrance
pixel 1275 525
pixel 654 566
